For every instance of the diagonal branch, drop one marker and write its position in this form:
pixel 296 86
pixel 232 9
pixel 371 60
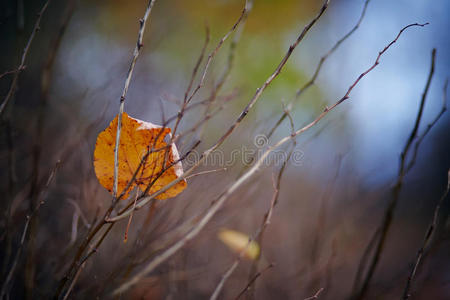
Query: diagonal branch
pixel 21 67
pixel 243 114
pixel 429 126
pixel 427 239
pixel 386 222
pixel 319 68
pixel 218 203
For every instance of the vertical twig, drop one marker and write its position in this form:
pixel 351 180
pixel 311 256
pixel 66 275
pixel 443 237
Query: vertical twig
pixel 244 113
pixel 25 231
pixel 76 261
pixel 136 53
pixel 429 126
pixel 21 67
pixel 387 219
pixel 428 238
pixel 218 203
pixel 37 144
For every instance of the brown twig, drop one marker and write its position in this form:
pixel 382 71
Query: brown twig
pixel 316 295
pixel 387 218
pixel 76 262
pixel 253 280
pixel 427 239
pixel 21 67
pixel 429 126
pixel 312 80
pixel 214 52
pixel 26 230
pixel 9 72
pixel 83 261
pixel 277 187
pixel 136 53
pixel 243 251
pixel 321 218
pixel 243 114
pixel 206 172
pixel 188 89
pixel 224 196
pixel 231 55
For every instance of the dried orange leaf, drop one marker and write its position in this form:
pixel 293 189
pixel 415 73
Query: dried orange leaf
pixel 238 241
pixel 138 138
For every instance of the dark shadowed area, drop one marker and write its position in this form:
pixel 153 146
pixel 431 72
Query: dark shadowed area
pixel 341 210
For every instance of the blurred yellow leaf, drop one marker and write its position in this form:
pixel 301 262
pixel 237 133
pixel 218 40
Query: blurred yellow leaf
pixel 136 139
pixel 238 241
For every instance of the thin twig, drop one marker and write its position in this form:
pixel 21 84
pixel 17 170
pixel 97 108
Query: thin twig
pixel 83 262
pixel 312 80
pixel 75 263
pixel 21 67
pixel 415 129
pixel 316 295
pixel 9 72
pixel 429 126
pixel 277 187
pixel 243 114
pixel 206 172
pixel 396 189
pixel 214 52
pixel 188 89
pixel 253 279
pixel 136 53
pixel 26 229
pixel 199 61
pixel 427 239
pixel 162 257
pixel 243 251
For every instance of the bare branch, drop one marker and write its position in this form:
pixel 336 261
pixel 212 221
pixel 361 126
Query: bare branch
pixel 318 69
pixel 222 199
pixel 387 218
pixel 136 52
pixel 244 113
pixel 206 172
pixel 316 295
pixel 252 280
pixel 214 52
pixel 427 130
pixel 241 254
pixel 427 239
pixel 199 61
pixel 41 201
pixel 188 89
pixel 21 67
pixel 76 265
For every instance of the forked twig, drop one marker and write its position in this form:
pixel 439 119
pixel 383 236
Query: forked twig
pixel 230 130
pixel 76 265
pixel 163 256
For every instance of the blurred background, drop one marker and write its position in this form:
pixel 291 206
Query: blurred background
pixel 330 203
